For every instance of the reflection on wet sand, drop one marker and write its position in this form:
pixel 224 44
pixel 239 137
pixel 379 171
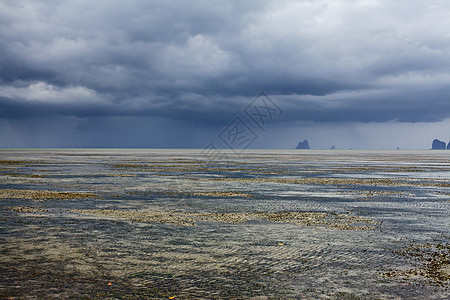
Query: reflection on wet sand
pixel 159 224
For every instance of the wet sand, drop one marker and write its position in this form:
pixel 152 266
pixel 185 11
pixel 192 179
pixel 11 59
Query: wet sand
pixel 157 224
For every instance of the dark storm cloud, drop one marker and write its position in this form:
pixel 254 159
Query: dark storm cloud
pixel 203 61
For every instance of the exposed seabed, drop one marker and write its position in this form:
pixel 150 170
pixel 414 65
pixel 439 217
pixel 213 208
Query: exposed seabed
pixel 179 224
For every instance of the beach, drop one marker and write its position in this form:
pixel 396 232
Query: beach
pixel 257 224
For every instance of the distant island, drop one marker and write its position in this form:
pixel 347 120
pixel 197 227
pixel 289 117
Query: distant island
pixel 436 145
pixel 303 145
pixel 439 145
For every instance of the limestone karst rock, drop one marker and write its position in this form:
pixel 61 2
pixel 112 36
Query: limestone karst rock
pixel 303 145
pixel 438 145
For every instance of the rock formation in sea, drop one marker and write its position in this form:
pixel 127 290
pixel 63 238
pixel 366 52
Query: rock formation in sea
pixel 438 145
pixel 303 145
pixel 448 146
pixel 333 147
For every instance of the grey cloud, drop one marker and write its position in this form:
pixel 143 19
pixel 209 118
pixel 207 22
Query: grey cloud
pixel 203 61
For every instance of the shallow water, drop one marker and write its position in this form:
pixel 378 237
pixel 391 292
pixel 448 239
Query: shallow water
pixel 115 223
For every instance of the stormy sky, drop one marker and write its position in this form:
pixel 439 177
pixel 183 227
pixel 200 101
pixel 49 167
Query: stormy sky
pixel 361 74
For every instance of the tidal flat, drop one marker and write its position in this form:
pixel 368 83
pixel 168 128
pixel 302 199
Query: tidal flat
pixel 262 224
